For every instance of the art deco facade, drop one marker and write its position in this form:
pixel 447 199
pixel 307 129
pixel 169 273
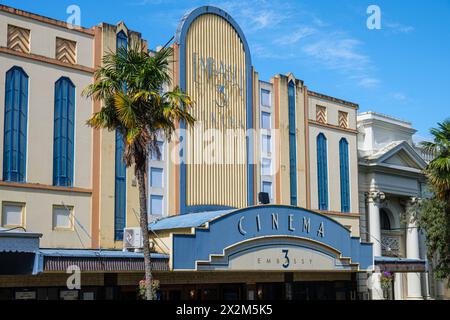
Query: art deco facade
pixel 67 181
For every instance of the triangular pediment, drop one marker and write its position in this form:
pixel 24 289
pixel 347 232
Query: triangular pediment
pixel 402 155
pixel 401 158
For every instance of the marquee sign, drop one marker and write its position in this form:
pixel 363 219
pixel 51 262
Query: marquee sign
pixel 270 238
pixel 216 71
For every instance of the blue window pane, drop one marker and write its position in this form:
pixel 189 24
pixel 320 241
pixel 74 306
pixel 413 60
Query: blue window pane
pixel 322 172
pixel 265 98
pixel 267 187
pixel 15 125
pixel 345 175
pixel 120 195
pixel 292 144
pixel 156 205
pixel 156 177
pixel 266 144
pixel 154 155
pixel 266 122
pixel 266 167
pixel 63 133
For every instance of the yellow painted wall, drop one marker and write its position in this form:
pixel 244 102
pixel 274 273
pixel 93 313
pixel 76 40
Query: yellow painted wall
pixel 215 183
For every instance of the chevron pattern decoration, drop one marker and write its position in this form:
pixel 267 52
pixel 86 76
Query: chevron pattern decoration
pixel 66 50
pixel 321 114
pixel 343 119
pixel 18 39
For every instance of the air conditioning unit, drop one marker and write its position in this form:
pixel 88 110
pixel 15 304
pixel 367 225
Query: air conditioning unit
pixel 132 239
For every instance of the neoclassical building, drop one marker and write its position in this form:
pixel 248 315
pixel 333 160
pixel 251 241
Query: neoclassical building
pixel 266 197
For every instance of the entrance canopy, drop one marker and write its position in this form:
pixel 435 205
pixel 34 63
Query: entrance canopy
pixel 18 251
pixel 266 238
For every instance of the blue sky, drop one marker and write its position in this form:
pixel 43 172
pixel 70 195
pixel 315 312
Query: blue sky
pixel 402 70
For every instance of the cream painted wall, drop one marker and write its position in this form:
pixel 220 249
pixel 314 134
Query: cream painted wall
pixel 43 37
pixel 334 195
pixel 38 216
pixel 41 86
pixel 332 111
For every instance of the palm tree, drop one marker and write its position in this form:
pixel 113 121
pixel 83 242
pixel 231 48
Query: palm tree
pixel 438 170
pixel 130 86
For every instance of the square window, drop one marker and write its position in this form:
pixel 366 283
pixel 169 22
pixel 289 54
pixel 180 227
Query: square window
pixel 156 205
pixel 12 214
pixel 266 120
pixel 156 177
pixel 154 155
pixel 266 167
pixel 266 144
pixel 267 187
pixel 62 218
pixel 265 98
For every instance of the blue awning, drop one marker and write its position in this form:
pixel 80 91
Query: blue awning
pixel 192 220
pixel 19 241
pixel 18 251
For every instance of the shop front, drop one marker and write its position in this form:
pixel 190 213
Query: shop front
pixel 262 252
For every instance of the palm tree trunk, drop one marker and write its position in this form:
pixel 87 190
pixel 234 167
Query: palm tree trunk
pixel 140 174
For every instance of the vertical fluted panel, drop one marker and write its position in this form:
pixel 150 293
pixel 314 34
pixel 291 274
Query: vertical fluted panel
pixel 216 173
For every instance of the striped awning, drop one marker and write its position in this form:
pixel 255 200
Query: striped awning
pixel 401 265
pixel 99 261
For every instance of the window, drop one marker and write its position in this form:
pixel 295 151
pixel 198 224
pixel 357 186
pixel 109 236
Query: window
pixel 12 215
pixel 322 171
pixel 122 40
pixel 266 167
pixel 15 128
pixel 154 155
pixel 156 205
pixel 62 218
pixel 292 144
pixel 385 222
pixel 18 39
pixel 120 178
pixel 156 177
pixel 343 119
pixel 266 144
pixel 63 135
pixel 265 98
pixel 345 175
pixel 267 187
pixel 321 114
pixel 120 188
pixel 266 120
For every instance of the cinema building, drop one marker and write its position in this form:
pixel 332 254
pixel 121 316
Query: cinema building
pixel 260 199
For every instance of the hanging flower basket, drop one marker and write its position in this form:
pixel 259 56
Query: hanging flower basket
pixel 143 288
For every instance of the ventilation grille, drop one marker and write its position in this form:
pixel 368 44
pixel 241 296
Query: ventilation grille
pixel 66 51
pixel 321 114
pixel 343 119
pixel 18 39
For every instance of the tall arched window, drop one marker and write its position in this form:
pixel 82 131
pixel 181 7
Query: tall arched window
pixel 345 175
pixel 322 171
pixel 63 135
pixel 292 144
pixel 15 127
pixel 385 222
pixel 120 174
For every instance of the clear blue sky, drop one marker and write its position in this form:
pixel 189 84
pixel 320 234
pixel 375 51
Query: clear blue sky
pixel 402 70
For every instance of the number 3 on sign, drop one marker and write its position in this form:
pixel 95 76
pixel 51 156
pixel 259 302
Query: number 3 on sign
pixel 288 262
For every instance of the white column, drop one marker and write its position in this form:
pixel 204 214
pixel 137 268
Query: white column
pixel 375 238
pixel 374 224
pixel 412 252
